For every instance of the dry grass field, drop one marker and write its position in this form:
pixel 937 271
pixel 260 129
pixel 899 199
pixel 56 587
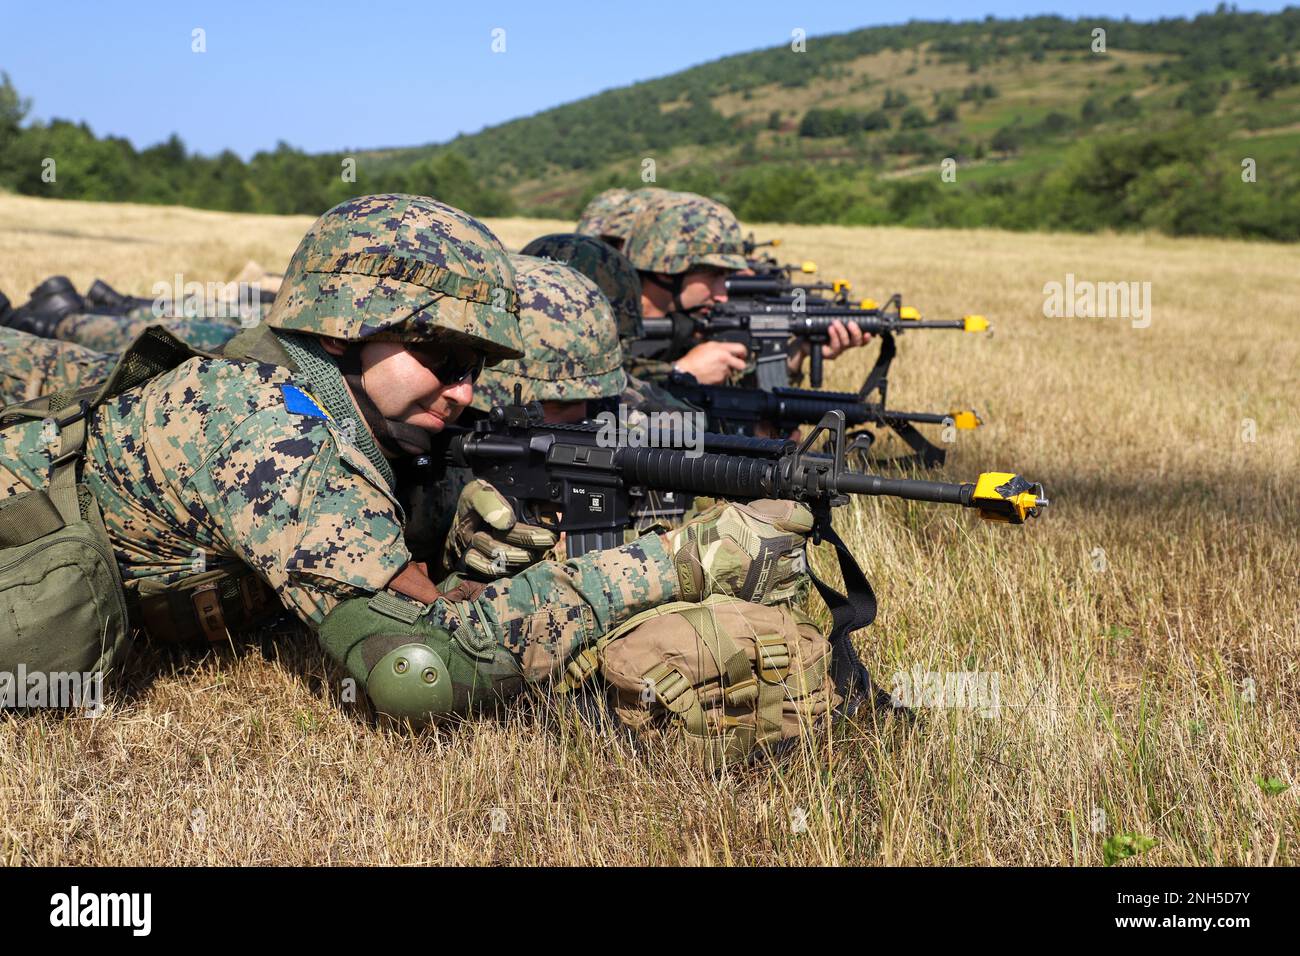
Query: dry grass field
pixel 1143 632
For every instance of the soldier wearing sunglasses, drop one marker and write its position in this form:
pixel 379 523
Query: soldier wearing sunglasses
pixel 237 487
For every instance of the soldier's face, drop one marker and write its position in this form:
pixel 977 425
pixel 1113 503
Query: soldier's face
pixel 400 380
pixel 703 287
pixel 700 287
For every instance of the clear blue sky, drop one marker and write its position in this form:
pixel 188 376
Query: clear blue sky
pixel 366 73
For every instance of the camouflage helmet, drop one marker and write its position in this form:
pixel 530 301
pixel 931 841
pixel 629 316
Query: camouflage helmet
pixel 571 349
pixel 598 210
pixel 618 223
pixel 604 265
pixel 401 268
pixel 687 232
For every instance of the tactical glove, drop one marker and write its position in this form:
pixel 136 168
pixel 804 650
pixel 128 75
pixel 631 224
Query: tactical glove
pixel 487 542
pixel 754 552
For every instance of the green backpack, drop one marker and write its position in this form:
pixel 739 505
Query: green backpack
pixel 62 605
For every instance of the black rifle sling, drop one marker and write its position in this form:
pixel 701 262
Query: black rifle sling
pixel 851 611
pixel 878 377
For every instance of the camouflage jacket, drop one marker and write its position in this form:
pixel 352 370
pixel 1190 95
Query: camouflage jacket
pixel 221 463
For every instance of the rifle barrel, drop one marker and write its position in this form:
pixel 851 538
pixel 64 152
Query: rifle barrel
pixel 942 492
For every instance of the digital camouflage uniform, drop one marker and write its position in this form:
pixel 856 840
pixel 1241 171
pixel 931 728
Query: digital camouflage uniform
pixel 31 365
pixel 85 349
pixel 113 333
pixel 572 354
pixel 671 237
pixel 260 462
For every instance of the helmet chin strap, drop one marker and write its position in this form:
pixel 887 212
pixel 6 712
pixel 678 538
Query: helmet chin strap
pixel 677 281
pixel 396 438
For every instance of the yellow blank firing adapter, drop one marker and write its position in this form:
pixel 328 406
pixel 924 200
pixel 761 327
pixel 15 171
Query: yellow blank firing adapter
pixel 909 312
pixel 965 418
pixel 808 266
pixel 1001 496
pixel 975 323
pixel 868 304
pixel 776 242
pixel 841 285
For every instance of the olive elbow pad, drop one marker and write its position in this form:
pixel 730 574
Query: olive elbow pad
pixel 410 682
pixel 411 667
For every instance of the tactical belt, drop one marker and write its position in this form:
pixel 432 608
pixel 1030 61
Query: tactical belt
pixel 206 607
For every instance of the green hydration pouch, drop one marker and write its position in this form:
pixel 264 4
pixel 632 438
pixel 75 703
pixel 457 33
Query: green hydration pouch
pixel 62 604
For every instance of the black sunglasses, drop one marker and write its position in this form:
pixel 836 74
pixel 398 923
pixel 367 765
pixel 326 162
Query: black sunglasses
pixel 452 368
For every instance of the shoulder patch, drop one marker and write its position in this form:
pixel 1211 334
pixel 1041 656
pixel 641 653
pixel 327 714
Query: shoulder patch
pixel 300 402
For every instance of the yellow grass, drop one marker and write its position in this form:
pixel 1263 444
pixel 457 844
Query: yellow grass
pixel 1127 626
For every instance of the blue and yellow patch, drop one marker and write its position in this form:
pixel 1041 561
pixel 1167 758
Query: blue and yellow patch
pixel 301 403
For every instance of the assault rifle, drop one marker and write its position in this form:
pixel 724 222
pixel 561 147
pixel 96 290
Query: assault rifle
pixel 592 478
pixel 735 410
pixel 770 327
pixel 766 266
pixel 573 470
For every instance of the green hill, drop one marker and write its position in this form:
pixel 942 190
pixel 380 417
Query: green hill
pixel 854 128
pixel 1163 128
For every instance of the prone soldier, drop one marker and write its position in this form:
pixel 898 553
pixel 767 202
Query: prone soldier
pixel 206 493
pixel 689 667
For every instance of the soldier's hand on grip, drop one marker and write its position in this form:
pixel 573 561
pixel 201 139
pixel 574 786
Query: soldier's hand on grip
pixel 487 542
pixel 754 552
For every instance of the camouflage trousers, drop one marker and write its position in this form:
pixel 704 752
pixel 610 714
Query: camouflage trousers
pixel 31 366
pixel 84 350
pixel 113 333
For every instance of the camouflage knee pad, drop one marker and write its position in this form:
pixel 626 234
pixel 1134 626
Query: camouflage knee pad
pixel 734 677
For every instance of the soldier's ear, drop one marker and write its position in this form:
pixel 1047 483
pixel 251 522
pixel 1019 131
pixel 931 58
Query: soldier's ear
pixel 333 346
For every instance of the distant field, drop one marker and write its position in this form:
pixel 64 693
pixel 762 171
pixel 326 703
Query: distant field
pixel 1144 632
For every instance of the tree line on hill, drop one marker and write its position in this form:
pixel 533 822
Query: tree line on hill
pixel 1182 175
